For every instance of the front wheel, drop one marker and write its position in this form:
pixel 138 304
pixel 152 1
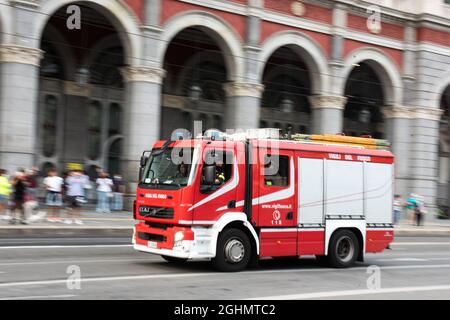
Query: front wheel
pixel 233 251
pixel 344 249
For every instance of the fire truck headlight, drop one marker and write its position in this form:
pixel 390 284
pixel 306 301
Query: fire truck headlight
pixel 178 238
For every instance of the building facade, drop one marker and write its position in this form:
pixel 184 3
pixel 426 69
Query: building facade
pixel 97 81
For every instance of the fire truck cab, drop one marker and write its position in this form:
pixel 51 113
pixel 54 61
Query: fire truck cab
pixel 236 199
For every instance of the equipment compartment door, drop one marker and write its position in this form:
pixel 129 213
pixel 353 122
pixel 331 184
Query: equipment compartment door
pixel 277 197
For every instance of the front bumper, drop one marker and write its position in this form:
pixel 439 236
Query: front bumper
pixel 197 244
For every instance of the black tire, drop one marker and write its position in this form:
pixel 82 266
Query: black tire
pixel 343 250
pixel 174 259
pixel 232 244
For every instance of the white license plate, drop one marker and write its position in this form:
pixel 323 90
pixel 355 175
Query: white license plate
pixel 152 245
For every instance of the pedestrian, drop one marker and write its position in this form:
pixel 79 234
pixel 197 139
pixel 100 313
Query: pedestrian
pixel 19 184
pixel 54 186
pixel 398 206
pixel 32 183
pixel 75 183
pixel 87 186
pixel 410 206
pixel 119 190
pixel 104 193
pixel 5 191
pixel 419 210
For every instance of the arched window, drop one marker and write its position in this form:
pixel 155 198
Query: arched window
pixel 49 126
pixel 95 129
pixel 114 119
pixel 114 157
pixel 115 147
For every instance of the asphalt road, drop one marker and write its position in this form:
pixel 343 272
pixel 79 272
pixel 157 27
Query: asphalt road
pixel 44 268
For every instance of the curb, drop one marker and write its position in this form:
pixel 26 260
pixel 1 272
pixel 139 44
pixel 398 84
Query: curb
pixel 422 233
pixel 66 231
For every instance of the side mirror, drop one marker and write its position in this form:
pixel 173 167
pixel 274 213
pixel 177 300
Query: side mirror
pixel 141 173
pixel 210 175
pixel 144 160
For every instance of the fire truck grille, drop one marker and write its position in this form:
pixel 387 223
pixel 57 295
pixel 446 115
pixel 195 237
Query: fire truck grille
pixel 151 237
pixel 156 212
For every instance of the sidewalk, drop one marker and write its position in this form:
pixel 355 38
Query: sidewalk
pixel 433 228
pixel 121 224
pixel 113 224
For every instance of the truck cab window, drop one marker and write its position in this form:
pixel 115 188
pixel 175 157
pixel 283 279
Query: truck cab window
pixel 223 162
pixel 276 171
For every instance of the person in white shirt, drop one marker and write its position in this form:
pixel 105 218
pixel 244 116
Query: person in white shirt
pixel 104 192
pixel 76 183
pixel 53 184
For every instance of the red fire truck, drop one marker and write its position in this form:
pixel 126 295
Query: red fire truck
pixel 235 199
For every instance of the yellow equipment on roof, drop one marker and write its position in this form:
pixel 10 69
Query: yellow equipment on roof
pixel 367 143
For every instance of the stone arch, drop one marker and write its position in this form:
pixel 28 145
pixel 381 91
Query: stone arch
pixel 385 68
pixel 441 87
pixel 119 14
pixel 307 49
pixel 223 34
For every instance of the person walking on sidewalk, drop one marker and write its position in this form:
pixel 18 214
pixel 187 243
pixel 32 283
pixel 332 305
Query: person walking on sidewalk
pixel 398 207
pixel 420 210
pixel 75 183
pixel 119 190
pixel 53 184
pixel 104 193
pixel 20 187
pixel 5 191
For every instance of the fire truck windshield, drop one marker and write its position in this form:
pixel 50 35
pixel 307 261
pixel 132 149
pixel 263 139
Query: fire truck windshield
pixel 168 168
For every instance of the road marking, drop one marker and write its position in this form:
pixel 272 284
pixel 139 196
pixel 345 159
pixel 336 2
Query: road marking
pixel 68 246
pixel 420 243
pixel 62 296
pixel 412 259
pixel 210 274
pixel 403 259
pixel 151 258
pixel 100 279
pixel 329 294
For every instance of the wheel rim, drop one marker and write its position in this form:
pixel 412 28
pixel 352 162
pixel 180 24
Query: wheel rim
pixel 345 249
pixel 234 251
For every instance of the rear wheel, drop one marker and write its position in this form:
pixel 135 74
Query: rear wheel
pixel 344 249
pixel 233 251
pixel 174 259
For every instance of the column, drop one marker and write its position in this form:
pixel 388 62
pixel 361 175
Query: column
pixel 142 115
pixel 328 114
pixel 244 95
pixel 337 47
pixel 151 34
pixel 18 105
pixel 424 155
pixel 398 131
pixel 243 105
pixel 19 65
